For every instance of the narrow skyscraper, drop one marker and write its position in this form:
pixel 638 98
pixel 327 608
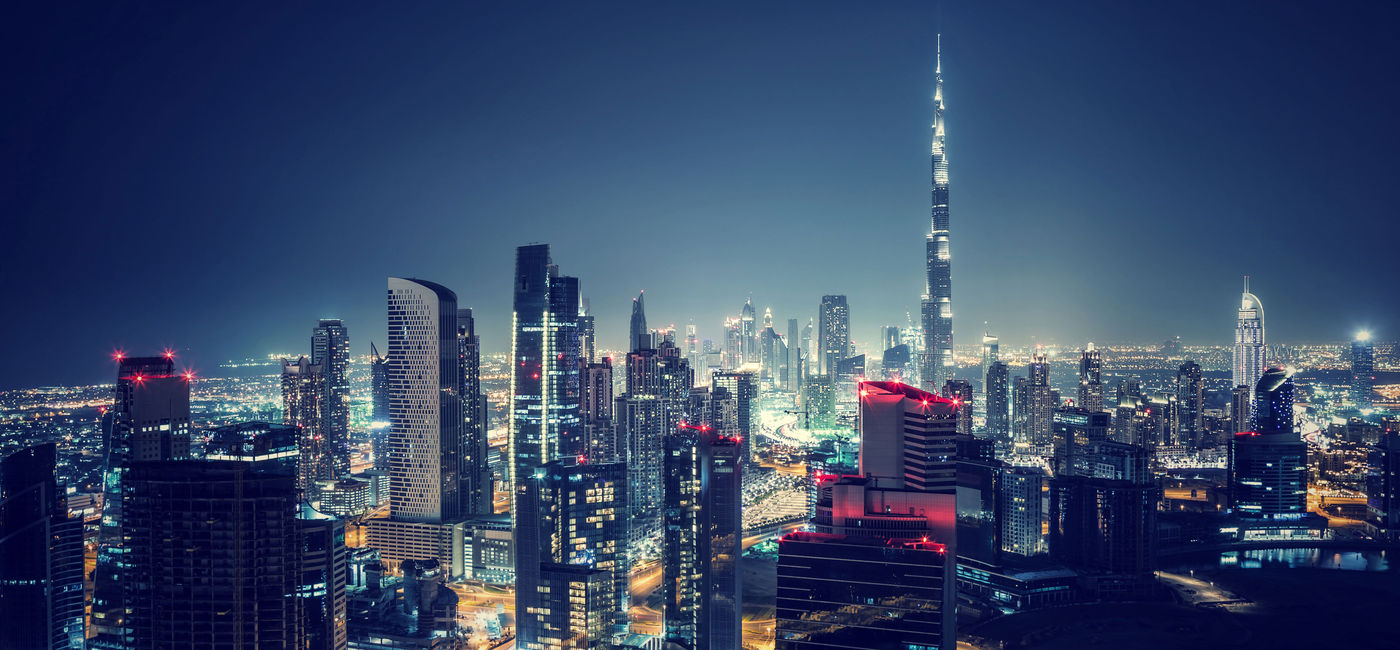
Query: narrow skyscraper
pixel 330 348
pixel 833 334
pixel 477 486
pixel 1363 366
pixel 41 555
pixel 639 337
pixel 1091 379
pixel 1249 340
pixel 937 306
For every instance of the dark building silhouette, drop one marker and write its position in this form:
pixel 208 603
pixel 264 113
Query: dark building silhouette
pixel 1269 465
pixel 330 349
pixel 149 421
pixel 477 485
pixel 1383 487
pixel 998 401
pixel 1103 519
pixel 41 555
pixel 866 593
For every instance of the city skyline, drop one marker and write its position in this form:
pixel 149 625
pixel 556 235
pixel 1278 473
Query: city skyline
pixel 848 167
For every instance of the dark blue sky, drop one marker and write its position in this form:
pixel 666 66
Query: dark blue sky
pixel 216 178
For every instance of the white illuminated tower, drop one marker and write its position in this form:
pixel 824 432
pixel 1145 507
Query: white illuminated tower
pixel 1249 340
pixel 936 362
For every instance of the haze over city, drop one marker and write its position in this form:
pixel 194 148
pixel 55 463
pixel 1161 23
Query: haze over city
pixel 197 177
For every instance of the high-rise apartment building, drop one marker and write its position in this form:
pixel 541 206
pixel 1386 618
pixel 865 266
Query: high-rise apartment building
pixel 1022 510
pixel 41 555
pixel 1040 402
pixel 1191 402
pixel 742 387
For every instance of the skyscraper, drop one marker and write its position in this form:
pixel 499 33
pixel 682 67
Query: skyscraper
pixel 149 420
pixel 330 349
pixel 748 333
pixel 907 437
pixel 1383 487
pixel 1022 511
pixel 796 372
pixel 1103 517
pixel 379 416
pixel 477 487
pixel 960 391
pixel 1269 465
pixel 641 426
pixel 214 551
pixel 582 526
pixel 303 406
pixel 41 555
pixel 596 410
pixel 425 404
pixel 701 579
pixel 587 334
pixel 639 337
pixel 1363 366
pixel 1091 379
pixel 742 386
pixel 833 334
pixel 1249 340
pixel 1190 399
pixel 991 353
pixel 998 411
pixel 1040 402
pixel 937 306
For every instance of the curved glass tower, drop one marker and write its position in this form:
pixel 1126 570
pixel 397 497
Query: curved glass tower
pixel 1249 340
pixel 936 363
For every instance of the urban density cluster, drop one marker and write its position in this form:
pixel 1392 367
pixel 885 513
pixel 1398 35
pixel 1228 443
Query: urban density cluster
pixel 774 486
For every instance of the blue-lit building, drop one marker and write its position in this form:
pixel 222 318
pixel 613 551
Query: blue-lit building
pixel 701 579
pixel 41 555
pixel 1268 467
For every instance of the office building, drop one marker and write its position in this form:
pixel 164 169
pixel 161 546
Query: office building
pixel 596 411
pixel 906 437
pixel 1040 401
pixel 41 555
pixel 979 485
pixel 1103 519
pixel 701 578
pixel 795 360
pixel 742 387
pixel 1242 409
pixel 587 334
pixel 991 353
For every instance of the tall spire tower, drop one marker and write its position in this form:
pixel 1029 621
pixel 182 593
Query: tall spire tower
pixel 936 362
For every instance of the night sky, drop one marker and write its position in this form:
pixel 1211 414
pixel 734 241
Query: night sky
pixel 217 178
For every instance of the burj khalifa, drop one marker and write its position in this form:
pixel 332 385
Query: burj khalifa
pixel 936 362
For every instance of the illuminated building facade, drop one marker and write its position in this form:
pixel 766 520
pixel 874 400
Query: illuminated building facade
pixel 330 349
pixel 582 523
pixel 1075 429
pixel 960 391
pixel 1040 402
pixel 1269 465
pixel 742 387
pixel 1190 399
pixel 1022 511
pixel 937 305
pixel 907 437
pixel 1363 370
pixel 303 405
pixel 701 578
pixel 1250 348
